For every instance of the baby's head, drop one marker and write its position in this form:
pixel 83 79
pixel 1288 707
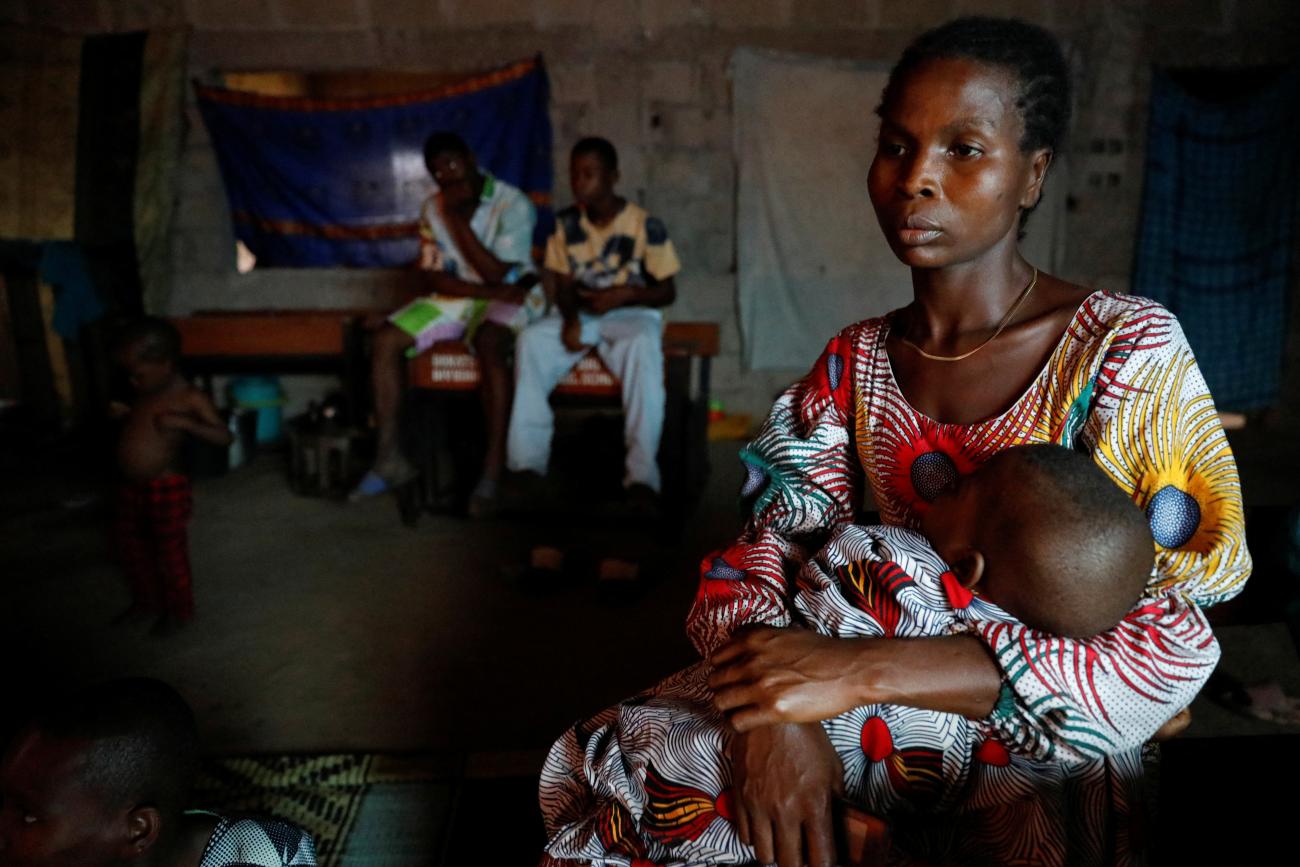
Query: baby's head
pixel 98 778
pixel 1043 533
pixel 149 350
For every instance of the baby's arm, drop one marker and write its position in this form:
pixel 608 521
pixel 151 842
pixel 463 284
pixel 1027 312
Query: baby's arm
pixel 198 417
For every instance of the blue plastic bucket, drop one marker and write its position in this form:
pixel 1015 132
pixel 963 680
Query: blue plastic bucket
pixel 263 394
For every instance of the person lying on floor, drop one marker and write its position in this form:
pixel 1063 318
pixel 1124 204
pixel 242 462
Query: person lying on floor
pixel 1036 537
pixel 103 776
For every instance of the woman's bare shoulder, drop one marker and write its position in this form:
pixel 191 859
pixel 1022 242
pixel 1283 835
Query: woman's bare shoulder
pixel 1060 297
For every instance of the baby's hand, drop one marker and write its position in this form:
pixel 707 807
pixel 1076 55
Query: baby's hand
pixel 117 409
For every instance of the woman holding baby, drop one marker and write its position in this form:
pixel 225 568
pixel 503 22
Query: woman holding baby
pixel 992 353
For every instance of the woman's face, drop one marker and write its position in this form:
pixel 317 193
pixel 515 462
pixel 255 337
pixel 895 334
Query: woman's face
pixel 949 179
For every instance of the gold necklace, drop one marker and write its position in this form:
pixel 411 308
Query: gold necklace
pixel 994 336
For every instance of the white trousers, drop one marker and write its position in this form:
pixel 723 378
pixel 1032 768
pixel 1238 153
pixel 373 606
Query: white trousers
pixel 630 342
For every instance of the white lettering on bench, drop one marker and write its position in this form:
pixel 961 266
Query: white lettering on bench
pixel 460 369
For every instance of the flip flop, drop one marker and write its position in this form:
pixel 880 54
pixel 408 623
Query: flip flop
pixel 546 570
pixel 386 475
pixel 372 484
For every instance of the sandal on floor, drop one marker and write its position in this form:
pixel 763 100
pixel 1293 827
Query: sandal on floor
pixel 383 477
pixel 371 485
pixel 545 569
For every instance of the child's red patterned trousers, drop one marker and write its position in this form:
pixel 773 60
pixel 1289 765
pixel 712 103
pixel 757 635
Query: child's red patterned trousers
pixel 153 545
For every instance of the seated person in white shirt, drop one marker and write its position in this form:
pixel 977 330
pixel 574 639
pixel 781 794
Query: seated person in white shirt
pixel 475 245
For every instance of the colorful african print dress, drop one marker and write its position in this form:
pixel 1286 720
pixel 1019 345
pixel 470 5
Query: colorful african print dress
pixel 1056 775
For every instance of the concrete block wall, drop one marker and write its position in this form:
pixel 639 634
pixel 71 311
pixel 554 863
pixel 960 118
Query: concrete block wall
pixel 651 75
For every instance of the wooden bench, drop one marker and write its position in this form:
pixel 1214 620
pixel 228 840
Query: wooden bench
pixel 281 341
pixel 689 347
pixel 449 366
pixel 264 333
pixel 288 341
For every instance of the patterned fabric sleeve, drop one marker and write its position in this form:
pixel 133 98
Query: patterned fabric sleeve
pixel 801 478
pixel 1072 701
pixel 514 238
pixel 557 250
pixel 660 255
pixel 1153 428
pixel 258 842
pixel 742 585
pixel 1155 431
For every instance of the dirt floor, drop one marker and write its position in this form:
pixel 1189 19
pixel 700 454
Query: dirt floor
pixel 323 625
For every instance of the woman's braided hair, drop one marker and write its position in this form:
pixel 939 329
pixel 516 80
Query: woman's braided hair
pixel 1029 52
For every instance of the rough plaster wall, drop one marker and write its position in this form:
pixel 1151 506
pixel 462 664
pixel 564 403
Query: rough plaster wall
pixel 651 76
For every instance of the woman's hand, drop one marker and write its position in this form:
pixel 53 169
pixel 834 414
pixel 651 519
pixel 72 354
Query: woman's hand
pixel 768 675
pixel 785 778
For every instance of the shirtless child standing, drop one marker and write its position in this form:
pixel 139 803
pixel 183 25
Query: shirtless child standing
pixel 154 501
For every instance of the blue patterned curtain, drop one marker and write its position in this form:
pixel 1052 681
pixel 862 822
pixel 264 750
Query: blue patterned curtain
pixel 1216 233
pixel 339 182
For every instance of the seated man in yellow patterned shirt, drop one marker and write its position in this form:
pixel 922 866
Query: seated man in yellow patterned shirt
pixel 610 266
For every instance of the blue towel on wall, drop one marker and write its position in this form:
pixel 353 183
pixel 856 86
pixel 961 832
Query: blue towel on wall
pixel 76 303
pixel 339 182
pixel 1216 232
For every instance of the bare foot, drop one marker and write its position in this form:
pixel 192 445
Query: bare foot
pixel 1269 702
pixel 1176 725
pixel 1266 701
pixel 618 570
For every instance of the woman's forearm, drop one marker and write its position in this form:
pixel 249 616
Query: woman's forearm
pixel 951 674
pixel 766 675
